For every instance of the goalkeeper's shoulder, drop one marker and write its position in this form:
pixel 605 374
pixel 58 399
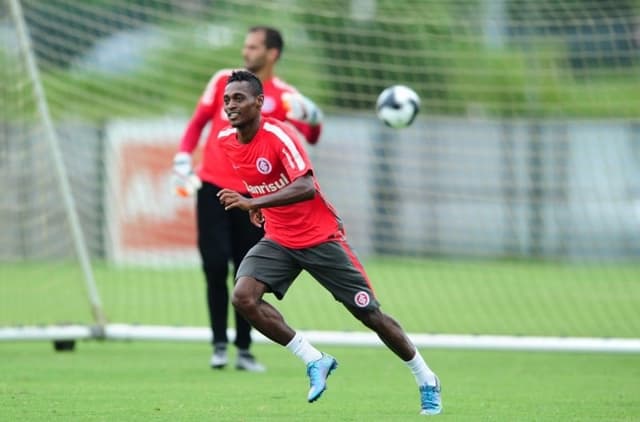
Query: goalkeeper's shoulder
pixel 218 77
pixel 216 84
pixel 221 74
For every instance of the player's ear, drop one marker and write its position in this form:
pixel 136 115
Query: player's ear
pixel 260 100
pixel 273 54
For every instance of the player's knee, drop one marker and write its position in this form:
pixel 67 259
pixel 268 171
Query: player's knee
pixel 242 302
pixel 244 298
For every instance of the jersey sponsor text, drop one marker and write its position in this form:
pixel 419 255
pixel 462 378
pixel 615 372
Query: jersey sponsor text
pixel 265 188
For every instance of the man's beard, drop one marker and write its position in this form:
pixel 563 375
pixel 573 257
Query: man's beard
pixel 255 68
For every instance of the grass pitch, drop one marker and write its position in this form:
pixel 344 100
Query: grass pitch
pixel 138 381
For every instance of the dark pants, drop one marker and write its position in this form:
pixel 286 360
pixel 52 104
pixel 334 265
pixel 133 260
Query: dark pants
pixel 223 236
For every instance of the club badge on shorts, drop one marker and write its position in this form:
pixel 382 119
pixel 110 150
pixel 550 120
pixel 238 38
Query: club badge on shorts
pixel 362 299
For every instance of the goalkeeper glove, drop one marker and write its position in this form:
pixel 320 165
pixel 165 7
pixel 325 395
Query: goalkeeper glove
pixel 301 108
pixel 184 180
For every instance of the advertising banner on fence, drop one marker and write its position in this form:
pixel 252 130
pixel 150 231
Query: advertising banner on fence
pixel 147 224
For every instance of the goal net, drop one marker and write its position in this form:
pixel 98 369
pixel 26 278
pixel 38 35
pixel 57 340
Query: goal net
pixel 511 207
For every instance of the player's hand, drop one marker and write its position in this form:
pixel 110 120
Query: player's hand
pixel 184 180
pixel 301 108
pixel 256 217
pixel 232 199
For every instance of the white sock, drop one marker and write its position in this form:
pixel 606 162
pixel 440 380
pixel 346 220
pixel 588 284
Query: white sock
pixel 420 370
pixel 301 347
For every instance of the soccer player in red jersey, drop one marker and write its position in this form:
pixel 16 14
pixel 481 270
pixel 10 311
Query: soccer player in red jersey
pixel 225 236
pixel 302 232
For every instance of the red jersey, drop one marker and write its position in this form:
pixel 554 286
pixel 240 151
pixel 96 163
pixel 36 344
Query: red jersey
pixel 214 167
pixel 274 158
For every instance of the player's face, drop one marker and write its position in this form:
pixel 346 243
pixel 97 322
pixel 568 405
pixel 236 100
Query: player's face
pixel 240 105
pixel 255 53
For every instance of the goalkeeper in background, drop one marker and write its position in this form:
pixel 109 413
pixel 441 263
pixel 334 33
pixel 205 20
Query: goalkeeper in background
pixel 227 236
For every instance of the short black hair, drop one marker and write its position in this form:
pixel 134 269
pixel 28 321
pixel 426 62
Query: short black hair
pixel 272 37
pixel 246 76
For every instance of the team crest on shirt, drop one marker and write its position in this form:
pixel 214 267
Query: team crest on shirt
pixel 362 299
pixel 268 105
pixel 263 165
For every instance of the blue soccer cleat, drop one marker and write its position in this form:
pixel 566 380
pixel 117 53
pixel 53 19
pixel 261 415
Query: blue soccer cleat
pixel 430 399
pixel 318 371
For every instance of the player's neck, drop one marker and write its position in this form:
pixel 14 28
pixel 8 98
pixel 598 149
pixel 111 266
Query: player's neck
pixel 265 74
pixel 246 133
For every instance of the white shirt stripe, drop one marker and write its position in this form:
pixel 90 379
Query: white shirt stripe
pixel 226 132
pixel 288 143
pixel 289 159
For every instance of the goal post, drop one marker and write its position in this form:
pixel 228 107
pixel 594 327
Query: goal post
pixel 56 161
pixel 507 215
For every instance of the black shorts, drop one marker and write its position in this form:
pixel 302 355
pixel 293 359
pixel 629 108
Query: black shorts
pixel 333 264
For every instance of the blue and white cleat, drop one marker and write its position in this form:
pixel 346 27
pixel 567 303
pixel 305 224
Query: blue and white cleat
pixel 318 371
pixel 430 399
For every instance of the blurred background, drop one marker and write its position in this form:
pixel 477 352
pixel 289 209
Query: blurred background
pixel 511 205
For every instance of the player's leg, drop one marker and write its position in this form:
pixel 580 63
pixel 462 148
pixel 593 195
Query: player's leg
pixel 395 338
pixel 244 235
pixel 268 267
pixel 337 268
pixel 248 300
pixel 388 329
pixel 215 250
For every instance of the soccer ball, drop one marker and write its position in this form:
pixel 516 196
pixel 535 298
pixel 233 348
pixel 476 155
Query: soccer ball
pixel 397 106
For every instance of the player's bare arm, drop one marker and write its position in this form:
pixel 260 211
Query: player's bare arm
pixel 301 189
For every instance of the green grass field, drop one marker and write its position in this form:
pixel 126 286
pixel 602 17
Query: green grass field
pixel 143 381
pixel 119 381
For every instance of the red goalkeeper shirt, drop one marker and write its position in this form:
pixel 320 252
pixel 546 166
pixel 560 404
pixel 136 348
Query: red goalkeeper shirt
pixel 214 167
pixel 274 158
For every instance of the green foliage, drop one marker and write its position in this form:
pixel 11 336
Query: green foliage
pixel 169 80
pixel 363 56
pixel 16 93
pixel 512 83
pixel 453 70
pixel 344 60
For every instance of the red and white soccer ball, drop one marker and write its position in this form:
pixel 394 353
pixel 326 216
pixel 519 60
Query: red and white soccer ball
pixel 397 106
